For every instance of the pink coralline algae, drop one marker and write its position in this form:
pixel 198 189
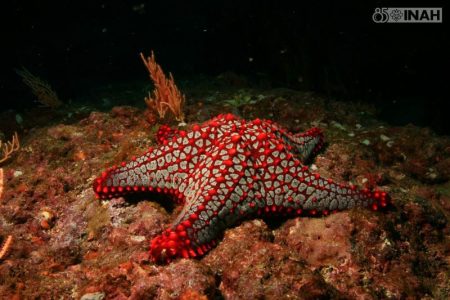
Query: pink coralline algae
pixel 228 169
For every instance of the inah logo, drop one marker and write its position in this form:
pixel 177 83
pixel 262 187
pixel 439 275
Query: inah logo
pixel 407 15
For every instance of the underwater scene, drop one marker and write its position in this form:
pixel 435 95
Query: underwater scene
pixel 224 150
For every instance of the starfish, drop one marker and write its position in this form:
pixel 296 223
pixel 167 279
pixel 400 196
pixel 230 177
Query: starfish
pixel 225 170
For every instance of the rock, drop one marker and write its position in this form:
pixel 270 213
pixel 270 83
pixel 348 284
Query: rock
pixel 174 281
pixel 384 138
pixel 93 296
pixel 252 267
pixel 365 142
pixel 319 242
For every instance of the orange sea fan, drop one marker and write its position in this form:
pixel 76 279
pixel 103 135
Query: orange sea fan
pixel 40 88
pixel 166 95
pixel 6 246
pixel 1 183
pixel 6 149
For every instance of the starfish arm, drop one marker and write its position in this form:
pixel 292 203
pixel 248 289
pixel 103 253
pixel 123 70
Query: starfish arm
pixel 305 144
pixel 304 191
pixel 308 144
pixel 213 196
pixel 193 232
pixel 159 170
pixel 285 184
pixel 289 186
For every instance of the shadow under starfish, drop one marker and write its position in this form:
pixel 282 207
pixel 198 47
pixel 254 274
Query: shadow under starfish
pixel 225 170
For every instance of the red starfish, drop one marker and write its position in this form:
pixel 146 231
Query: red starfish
pixel 225 170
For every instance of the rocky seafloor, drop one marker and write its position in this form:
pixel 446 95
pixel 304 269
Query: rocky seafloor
pixel 68 245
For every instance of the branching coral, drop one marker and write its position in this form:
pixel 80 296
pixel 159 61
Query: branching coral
pixel 166 95
pixel 6 149
pixel 40 88
pixel 1 183
pixel 6 246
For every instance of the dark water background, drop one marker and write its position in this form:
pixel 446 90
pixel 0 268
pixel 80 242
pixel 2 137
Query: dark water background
pixel 332 48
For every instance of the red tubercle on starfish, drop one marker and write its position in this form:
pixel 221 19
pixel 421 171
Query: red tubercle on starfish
pixel 165 133
pixel 174 243
pixel 382 200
